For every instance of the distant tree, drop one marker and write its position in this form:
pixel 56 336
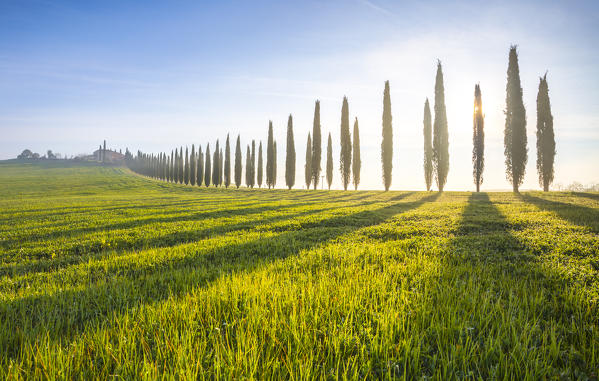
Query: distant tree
pixel 316 145
pixel 387 143
pixel 248 167
pixel 260 166
pixel 187 167
pixel 356 160
pixel 274 164
pixel 269 156
pixel 253 165
pixel 330 161
pixel 290 155
pixel 176 167
pixel 168 168
pixel 208 167
pixel 215 166
pixel 227 163
pixel 192 165
pixel 545 136
pixel 516 153
pixel 440 134
pixel 200 169
pixel 50 155
pixel 308 166
pixel 26 154
pixel 99 153
pixel 238 162
pixel 345 157
pixel 104 153
pixel 478 139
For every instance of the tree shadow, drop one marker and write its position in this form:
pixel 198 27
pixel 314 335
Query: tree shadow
pixel 592 196
pixel 583 216
pixel 65 313
pixel 84 251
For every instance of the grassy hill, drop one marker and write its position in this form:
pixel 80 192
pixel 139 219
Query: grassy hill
pixel 104 273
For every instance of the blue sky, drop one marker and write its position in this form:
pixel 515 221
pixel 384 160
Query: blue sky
pixel 155 75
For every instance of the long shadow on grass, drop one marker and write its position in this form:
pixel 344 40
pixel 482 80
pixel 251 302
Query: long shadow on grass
pixel 575 214
pixel 592 196
pixel 83 252
pixel 66 313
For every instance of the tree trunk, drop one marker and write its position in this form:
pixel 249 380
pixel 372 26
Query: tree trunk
pixel 515 188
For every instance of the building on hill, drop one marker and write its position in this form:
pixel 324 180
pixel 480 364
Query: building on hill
pixel 111 156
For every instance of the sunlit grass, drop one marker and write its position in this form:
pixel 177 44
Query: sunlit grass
pixel 105 273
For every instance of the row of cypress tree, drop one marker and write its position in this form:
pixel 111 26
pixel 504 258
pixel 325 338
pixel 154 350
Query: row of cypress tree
pixel 206 169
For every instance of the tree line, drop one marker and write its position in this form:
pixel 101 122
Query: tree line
pixel 206 168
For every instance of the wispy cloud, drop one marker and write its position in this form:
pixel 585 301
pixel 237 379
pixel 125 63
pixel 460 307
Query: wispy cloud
pixel 377 8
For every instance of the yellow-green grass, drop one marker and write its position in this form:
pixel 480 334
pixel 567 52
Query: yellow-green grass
pixel 104 273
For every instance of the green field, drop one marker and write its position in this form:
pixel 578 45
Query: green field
pixel 105 273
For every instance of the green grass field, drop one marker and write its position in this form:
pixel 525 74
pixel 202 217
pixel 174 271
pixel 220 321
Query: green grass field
pixel 105 273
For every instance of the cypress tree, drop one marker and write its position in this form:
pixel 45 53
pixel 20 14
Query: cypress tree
pixel 200 169
pixel 168 169
pixel 274 166
pixel 290 155
pixel 330 161
pixel 387 143
pixel 356 160
pixel 260 166
pixel 428 146
pixel 269 156
pixel 100 153
pixel 516 153
pixel 478 139
pixel 248 167
pixel 253 172
pixel 316 145
pixel 186 169
pixel 220 167
pixel 227 163
pixel 172 167
pixel 181 166
pixel 215 166
pixel 345 157
pixel 308 166
pixel 192 165
pixel 208 167
pixel 545 136
pixel 440 134
pixel 176 167
pixel 238 162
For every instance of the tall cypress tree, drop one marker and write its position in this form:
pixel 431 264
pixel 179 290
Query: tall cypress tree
pixel 269 156
pixel 172 167
pixel 545 136
pixel 186 168
pixel 290 155
pixel 478 139
pixel 248 167
pixel 200 169
pixel 208 167
pixel 516 153
pixel 227 163
pixel 274 166
pixel 220 167
pixel 238 162
pixel 356 160
pixel 308 166
pixel 330 161
pixel 440 134
pixel 316 145
pixel 192 165
pixel 387 143
pixel 215 166
pixel 428 146
pixel 168 169
pixel 253 163
pixel 345 157
pixel 181 166
pixel 260 166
